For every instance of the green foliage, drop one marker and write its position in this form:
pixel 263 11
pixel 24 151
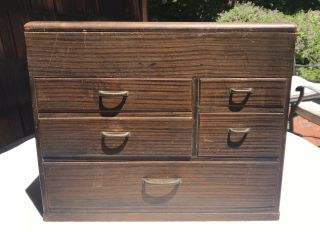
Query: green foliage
pixel 308 35
pixel 208 10
pixel 311 74
pixel 308 42
pixel 248 12
pixel 185 10
pixel 288 6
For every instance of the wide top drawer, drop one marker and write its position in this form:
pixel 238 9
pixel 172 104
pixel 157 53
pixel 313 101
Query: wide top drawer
pixel 159 50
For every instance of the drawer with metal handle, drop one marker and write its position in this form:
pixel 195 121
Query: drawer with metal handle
pixel 243 95
pixel 115 137
pixel 144 189
pixel 107 95
pixel 241 135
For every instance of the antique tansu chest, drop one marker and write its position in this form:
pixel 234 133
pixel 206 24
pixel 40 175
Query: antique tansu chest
pixel 160 121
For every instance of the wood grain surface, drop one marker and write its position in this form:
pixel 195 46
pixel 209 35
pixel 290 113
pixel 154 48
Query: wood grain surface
pixel 178 121
pixel 81 137
pixel 268 95
pixel 206 187
pixel 40 26
pixel 82 95
pixel 265 138
pixel 158 54
pixel 97 216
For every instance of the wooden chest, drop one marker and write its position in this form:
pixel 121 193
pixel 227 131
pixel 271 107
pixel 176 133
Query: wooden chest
pixel 160 121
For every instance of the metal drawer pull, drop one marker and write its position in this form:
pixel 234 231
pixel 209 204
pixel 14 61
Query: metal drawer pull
pixel 239 130
pixel 113 93
pixel 116 134
pixel 240 90
pixel 169 181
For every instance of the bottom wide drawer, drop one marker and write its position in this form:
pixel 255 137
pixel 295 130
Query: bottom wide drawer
pixel 162 187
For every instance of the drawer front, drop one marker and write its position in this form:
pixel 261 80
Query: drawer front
pixel 157 54
pixel 93 95
pixel 164 187
pixel 117 136
pixel 241 135
pixel 245 95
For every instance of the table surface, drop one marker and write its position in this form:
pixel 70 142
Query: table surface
pixel 299 209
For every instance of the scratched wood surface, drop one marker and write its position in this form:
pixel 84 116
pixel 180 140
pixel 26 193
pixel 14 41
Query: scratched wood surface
pixel 179 119
pixel 82 95
pixel 265 138
pixel 206 187
pixel 266 95
pixel 134 54
pixel 81 137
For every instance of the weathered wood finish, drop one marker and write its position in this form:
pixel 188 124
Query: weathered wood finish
pixel 82 95
pixel 45 26
pixel 267 95
pixel 265 138
pixel 96 216
pixel 178 113
pixel 81 137
pixel 176 54
pixel 207 187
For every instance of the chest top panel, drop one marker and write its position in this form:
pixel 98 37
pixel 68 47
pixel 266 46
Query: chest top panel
pixel 159 50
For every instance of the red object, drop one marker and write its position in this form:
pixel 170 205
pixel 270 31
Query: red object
pixel 307 130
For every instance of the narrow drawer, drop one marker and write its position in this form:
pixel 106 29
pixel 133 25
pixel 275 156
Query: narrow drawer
pixel 116 136
pixel 161 187
pixel 98 94
pixel 243 94
pixel 241 135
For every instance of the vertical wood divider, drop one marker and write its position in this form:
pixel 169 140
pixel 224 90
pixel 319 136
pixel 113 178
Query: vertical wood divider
pixel 195 109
